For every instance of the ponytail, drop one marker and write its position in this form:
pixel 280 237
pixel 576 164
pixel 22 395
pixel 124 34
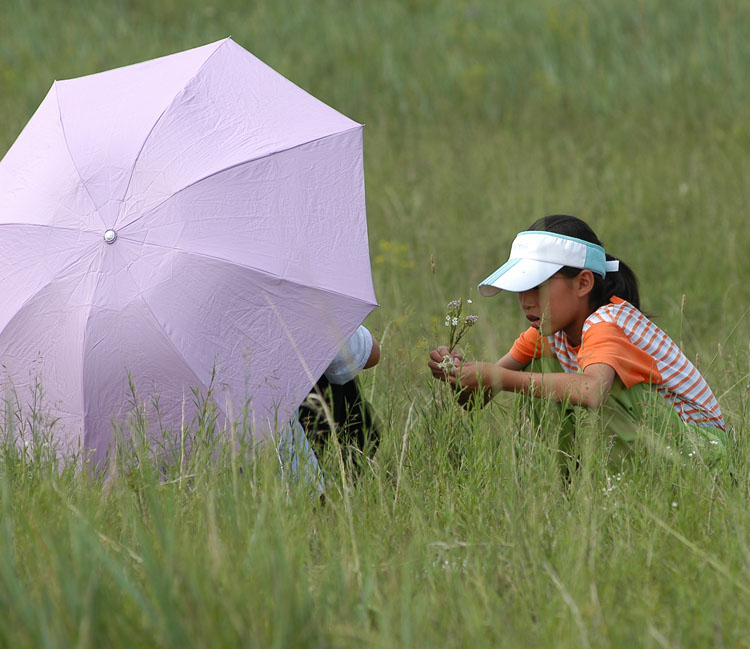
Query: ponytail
pixel 621 283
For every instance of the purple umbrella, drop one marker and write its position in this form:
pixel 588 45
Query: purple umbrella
pixel 160 220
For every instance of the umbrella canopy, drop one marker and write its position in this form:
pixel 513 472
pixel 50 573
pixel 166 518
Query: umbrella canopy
pixel 163 220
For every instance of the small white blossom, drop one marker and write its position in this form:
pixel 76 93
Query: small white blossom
pixel 674 503
pixel 448 365
pixel 457 322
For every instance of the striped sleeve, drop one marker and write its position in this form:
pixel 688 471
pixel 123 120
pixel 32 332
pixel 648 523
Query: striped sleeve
pixel 530 345
pixel 605 342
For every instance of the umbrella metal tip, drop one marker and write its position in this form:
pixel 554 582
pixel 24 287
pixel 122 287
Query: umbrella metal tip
pixel 110 236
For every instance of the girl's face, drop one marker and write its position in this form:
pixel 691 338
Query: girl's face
pixel 559 304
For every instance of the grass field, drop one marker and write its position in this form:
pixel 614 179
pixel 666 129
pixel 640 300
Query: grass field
pixel 481 116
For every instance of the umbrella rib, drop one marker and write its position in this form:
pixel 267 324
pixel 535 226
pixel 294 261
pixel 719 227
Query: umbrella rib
pixel 46 227
pixel 234 166
pixel 156 123
pixel 72 159
pixel 256 269
pixel 84 404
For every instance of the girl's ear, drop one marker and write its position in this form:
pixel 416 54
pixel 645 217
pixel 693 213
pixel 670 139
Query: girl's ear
pixel 585 282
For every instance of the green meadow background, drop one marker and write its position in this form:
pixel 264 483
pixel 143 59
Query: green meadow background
pixel 480 117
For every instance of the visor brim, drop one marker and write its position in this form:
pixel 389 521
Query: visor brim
pixel 518 275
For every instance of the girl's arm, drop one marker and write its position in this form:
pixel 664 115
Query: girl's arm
pixel 589 389
pixel 374 357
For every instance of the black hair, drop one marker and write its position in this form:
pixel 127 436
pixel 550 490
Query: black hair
pixel 622 283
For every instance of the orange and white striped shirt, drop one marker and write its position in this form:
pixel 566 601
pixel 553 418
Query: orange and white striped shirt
pixel 620 336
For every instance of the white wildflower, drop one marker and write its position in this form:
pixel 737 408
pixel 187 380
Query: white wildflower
pixel 448 365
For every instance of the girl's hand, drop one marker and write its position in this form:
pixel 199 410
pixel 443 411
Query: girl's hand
pixel 444 363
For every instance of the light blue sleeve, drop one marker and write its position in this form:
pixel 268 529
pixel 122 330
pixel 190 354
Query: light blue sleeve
pixel 352 357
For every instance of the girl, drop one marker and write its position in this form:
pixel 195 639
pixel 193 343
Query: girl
pixel 583 309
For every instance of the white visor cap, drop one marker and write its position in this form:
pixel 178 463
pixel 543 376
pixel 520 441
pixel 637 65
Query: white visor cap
pixel 536 255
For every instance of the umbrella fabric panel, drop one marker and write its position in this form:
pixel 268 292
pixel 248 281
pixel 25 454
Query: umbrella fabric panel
pixel 47 219
pixel 269 339
pixel 140 133
pixel 235 109
pixel 128 344
pixel 39 183
pixel 108 117
pixel 31 257
pixel 42 344
pixel 298 215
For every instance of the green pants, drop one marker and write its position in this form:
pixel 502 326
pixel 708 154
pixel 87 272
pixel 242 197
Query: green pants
pixel 630 415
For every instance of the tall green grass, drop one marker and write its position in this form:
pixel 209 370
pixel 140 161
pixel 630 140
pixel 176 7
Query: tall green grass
pixel 481 117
